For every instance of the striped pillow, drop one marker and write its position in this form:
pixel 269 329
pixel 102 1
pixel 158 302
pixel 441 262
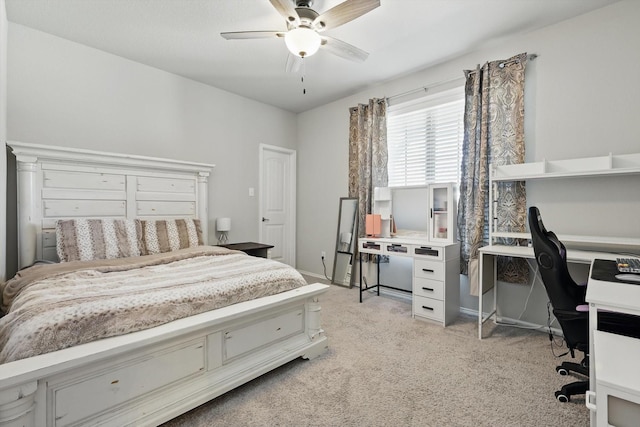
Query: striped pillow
pixel 171 234
pixel 89 239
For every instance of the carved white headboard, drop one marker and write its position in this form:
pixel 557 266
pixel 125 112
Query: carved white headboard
pixel 64 183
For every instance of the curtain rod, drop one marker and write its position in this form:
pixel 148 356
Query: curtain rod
pixel 423 88
pixel 530 57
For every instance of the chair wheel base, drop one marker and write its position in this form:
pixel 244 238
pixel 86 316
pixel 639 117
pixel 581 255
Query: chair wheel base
pixel 562 397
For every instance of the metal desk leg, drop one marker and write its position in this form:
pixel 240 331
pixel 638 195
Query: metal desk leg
pixel 480 304
pixel 378 273
pixel 590 396
pixel 360 260
pixel 486 281
pixel 480 293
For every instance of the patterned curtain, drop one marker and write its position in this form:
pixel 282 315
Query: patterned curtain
pixel 367 154
pixel 493 134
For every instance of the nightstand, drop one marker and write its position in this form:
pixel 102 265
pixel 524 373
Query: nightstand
pixel 251 248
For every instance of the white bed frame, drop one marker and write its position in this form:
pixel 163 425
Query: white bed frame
pixel 151 376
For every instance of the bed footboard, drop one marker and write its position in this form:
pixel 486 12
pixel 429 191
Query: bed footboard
pixel 151 376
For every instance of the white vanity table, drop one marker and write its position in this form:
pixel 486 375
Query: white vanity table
pixel 434 253
pixel 436 273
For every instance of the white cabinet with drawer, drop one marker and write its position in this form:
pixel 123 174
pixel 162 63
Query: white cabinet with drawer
pixel 433 270
pixel 428 308
pixel 436 285
pixel 435 277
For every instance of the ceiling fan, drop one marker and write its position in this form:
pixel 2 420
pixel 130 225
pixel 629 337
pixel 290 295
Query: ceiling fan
pixel 304 27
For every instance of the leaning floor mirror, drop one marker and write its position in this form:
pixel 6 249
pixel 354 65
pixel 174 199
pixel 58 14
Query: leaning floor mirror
pixel 343 262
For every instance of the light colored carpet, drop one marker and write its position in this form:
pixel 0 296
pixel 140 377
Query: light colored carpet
pixel 384 368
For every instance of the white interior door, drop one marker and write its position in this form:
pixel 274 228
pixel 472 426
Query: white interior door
pixel 278 201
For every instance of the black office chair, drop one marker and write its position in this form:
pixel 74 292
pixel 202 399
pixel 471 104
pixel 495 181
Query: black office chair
pixel 566 296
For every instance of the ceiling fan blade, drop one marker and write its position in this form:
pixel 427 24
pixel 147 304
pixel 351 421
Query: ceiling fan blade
pixel 239 35
pixel 294 63
pixel 343 49
pixel 287 10
pixel 343 13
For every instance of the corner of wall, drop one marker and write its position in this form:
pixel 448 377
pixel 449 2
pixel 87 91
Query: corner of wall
pixel 4 25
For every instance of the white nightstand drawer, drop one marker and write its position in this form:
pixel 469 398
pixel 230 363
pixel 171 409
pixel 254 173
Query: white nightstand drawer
pixel 433 270
pixel 428 307
pixel 428 288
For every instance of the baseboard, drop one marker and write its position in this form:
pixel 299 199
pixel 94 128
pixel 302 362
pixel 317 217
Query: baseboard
pixel 507 321
pixel 308 273
pixel 469 312
pixel 396 294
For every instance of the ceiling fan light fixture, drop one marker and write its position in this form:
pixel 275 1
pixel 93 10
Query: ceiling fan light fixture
pixel 302 41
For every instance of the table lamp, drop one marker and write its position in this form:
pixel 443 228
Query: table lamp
pixel 223 225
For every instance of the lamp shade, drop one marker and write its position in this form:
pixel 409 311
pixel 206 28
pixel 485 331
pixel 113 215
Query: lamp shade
pixel 223 224
pixel 302 41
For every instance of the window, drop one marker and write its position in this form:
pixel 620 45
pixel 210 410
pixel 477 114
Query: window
pixel 424 139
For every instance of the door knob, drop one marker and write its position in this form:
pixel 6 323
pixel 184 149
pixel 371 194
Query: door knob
pixel 265 219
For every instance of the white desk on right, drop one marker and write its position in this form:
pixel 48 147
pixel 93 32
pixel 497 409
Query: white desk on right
pixel 601 166
pixel 487 271
pixel 614 396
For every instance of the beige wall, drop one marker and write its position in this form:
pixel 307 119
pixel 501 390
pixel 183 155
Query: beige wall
pixel 66 94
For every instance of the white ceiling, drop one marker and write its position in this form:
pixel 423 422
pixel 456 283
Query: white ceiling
pixel 183 37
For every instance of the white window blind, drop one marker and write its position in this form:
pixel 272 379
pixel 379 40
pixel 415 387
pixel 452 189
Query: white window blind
pixel 424 139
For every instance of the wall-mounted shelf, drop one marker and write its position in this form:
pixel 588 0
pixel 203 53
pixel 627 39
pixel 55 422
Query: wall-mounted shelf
pixel 578 239
pixel 588 166
pixel 622 164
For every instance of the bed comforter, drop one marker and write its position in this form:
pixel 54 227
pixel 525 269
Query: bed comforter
pixel 51 307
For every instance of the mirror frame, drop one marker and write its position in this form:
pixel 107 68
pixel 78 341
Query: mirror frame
pixel 354 239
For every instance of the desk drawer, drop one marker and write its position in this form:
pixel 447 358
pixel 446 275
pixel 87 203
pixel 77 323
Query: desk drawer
pixel 433 270
pixel 428 252
pixel 428 307
pixel 370 246
pixel 428 288
pixel 396 249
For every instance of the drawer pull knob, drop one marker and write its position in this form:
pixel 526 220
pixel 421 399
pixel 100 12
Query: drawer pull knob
pixel 427 308
pixel 428 289
pixel 428 270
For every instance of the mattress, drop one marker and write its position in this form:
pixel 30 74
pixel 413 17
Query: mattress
pixel 56 306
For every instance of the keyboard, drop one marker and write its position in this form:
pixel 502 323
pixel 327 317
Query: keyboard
pixel 628 265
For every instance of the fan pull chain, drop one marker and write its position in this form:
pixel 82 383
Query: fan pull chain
pixel 303 68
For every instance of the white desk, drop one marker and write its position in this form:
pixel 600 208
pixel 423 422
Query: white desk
pixel 614 396
pixel 435 283
pixel 487 271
